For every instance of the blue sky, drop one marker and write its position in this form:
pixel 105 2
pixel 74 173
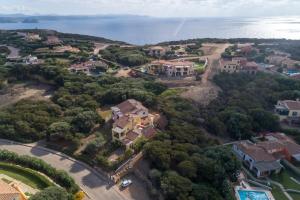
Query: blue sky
pixel 160 8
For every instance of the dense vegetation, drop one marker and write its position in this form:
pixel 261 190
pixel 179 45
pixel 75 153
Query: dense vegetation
pixel 185 162
pixel 125 56
pixel 245 106
pixel 71 113
pixel 182 165
pixel 52 193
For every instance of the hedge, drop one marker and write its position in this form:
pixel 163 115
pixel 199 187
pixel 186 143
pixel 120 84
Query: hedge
pixel 58 176
pixel 34 178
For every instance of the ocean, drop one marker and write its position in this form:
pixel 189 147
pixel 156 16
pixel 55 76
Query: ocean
pixel 149 30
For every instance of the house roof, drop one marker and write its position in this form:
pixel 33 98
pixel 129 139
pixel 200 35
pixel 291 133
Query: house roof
pixel 149 132
pixel 132 135
pixel 292 105
pixel 130 105
pixel 250 66
pixel 277 136
pixel 157 48
pixel 172 63
pixel 224 62
pixel 255 152
pixel 292 147
pixel 161 121
pixel 271 145
pixel 122 122
pixel 7 192
pixel 267 166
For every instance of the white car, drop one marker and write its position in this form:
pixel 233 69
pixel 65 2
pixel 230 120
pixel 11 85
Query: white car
pixel 126 183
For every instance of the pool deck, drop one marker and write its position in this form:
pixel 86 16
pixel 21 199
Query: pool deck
pixel 246 187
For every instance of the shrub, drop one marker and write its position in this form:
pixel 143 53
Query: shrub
pixel 60 177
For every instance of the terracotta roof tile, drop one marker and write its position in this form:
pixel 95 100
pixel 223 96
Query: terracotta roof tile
pixel 149 132
pixel 255 152
pixel 131 135
pixel 130 105
pixel 292 105
pixel 7 192
pixel 122 121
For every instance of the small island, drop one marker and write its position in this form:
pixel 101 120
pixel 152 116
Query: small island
pixel 30 20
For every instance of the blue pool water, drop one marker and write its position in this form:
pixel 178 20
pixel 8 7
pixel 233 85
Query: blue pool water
pixel 292 71
pixel 252 195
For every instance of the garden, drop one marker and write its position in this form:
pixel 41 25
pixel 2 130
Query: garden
pixel 25 175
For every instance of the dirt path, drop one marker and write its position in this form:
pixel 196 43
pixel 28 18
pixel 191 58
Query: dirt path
pixel 206 91
pixel 15 93
pixel 99 47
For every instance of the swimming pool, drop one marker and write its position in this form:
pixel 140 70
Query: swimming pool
pixel 252 195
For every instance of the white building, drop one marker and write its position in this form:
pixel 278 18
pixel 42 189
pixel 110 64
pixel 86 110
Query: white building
pixel 288 109
pixel 257 159
pixel 171 68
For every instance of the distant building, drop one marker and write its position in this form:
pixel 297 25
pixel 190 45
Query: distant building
pixel 238 65
pixel 53 40
pixel 129 106
pixel 31 37
pixel 32 60
pixel 88 67
pixel 67 48
pixel 131 121
pixel 288 110
pixel 157 51
pixel 171 68
pixel 276 60
pixel 263 157
pixel 8 192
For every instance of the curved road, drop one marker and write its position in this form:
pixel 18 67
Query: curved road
pixel 92 183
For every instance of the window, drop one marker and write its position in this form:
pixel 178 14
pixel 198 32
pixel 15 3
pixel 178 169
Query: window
pixel 295 114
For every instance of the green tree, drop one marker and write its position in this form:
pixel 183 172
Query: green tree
pixel 187 169
pixel 61 129
pixel 51 193
pixel 85 121
pixel 175 186
pixel 93 147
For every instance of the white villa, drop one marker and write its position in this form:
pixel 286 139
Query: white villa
pixel 171 68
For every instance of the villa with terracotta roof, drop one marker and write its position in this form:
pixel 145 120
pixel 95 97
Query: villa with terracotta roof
pixel 131 121
pixel 171 68
pixel 238 65
pixel 8 192
pixel 288 110
pixel 87 67
pixel 263 157
pixel 53 40
pixel 157 51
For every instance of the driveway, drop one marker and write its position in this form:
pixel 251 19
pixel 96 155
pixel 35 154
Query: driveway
pixel 92 183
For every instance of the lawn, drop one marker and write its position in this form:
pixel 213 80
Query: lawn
pixel 295 196
pixel 172 92
pixel 285 180
pixel 278 194
pixel 25 175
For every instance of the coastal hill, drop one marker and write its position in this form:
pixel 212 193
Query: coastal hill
pixel 164 116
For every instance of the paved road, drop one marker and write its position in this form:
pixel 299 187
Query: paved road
pixel 89 181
